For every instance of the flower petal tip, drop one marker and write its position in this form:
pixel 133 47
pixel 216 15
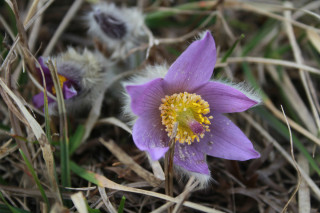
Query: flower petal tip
pixel 204 179
pixel 157 155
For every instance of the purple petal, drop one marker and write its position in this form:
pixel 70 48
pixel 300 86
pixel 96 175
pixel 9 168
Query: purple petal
pixel 149 135
pixel 225 99
pixel 44 67
pixel 146 97
pixel 38 100
pixel 194 66
pixel 68 91
pixel 190 158
pixel 226 140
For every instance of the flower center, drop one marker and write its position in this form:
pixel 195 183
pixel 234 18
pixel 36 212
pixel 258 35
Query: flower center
pixel 62 79
pixel 189 111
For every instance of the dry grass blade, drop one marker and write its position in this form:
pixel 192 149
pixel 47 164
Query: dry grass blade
pixel 31 11
pixel 23 38
pixel 304 200
pixel 156 168
pixel 58 208
pixel 17 191
pixel 268 61
pixel 82 188
pixel 106 200
pixel 155 165
pixel 6 150
pixel 265 134
pixel 66 20
pixel 116 122
pixel 293 96
pixel 128 161
pixel 315 39
pixel 293 124
pixel 105 182
pixel 41 137
pixel 298 57
pixel 295 164
pixel 189 187
pixel 79 202
pixel 257 8
pixel 183 196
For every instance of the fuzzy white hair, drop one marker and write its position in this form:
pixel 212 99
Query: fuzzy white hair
pixel 146 75
pixel 203 179
pixel 245 88
pixel 90 71
pixel 133 20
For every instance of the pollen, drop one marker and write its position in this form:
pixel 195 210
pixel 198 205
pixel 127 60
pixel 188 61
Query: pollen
pixel 62 79
pixel 189 111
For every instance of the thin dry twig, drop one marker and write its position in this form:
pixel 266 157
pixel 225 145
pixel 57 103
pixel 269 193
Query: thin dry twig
pixel 128 161
pixel 295 164
pixel 66 20
pixel 105 182
pixel 265 134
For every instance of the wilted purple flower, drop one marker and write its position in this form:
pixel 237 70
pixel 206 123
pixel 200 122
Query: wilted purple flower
pixel 81 77
pixel 120 29
pixel 184 94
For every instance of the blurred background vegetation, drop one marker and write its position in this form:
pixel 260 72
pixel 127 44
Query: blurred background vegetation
pixel 46 161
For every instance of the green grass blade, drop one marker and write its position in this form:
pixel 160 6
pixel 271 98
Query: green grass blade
pixel 7 207
pixel 188 6
pixel 283 130
pixel 35 177
pixel 275 123
pixel 76 138
pixel 255 41
pixel 89 176
pixel 64 140
pixel 230 51
pixel 121 206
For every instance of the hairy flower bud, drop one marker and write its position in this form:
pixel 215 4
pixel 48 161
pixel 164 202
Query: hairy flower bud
pixel 119 29
pixel 81 76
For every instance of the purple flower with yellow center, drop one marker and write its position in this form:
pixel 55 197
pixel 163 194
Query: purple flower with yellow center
pixel 82 76
pixel 184 95
pixel 67 86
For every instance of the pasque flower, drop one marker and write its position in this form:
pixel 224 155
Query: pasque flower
pixel 81 77
pixel 120 29
pixel 184 94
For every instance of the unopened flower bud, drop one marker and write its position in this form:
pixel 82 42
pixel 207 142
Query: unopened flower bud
pixel 119 29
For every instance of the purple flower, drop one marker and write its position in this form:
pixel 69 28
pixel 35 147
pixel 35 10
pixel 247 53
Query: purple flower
pixel 67 86
pixel 185 94
pixel 82 76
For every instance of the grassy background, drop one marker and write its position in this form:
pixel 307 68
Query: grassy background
pixel 45 162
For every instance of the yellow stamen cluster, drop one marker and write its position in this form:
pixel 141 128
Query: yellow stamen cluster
pixel 185 109
pixel 62 79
